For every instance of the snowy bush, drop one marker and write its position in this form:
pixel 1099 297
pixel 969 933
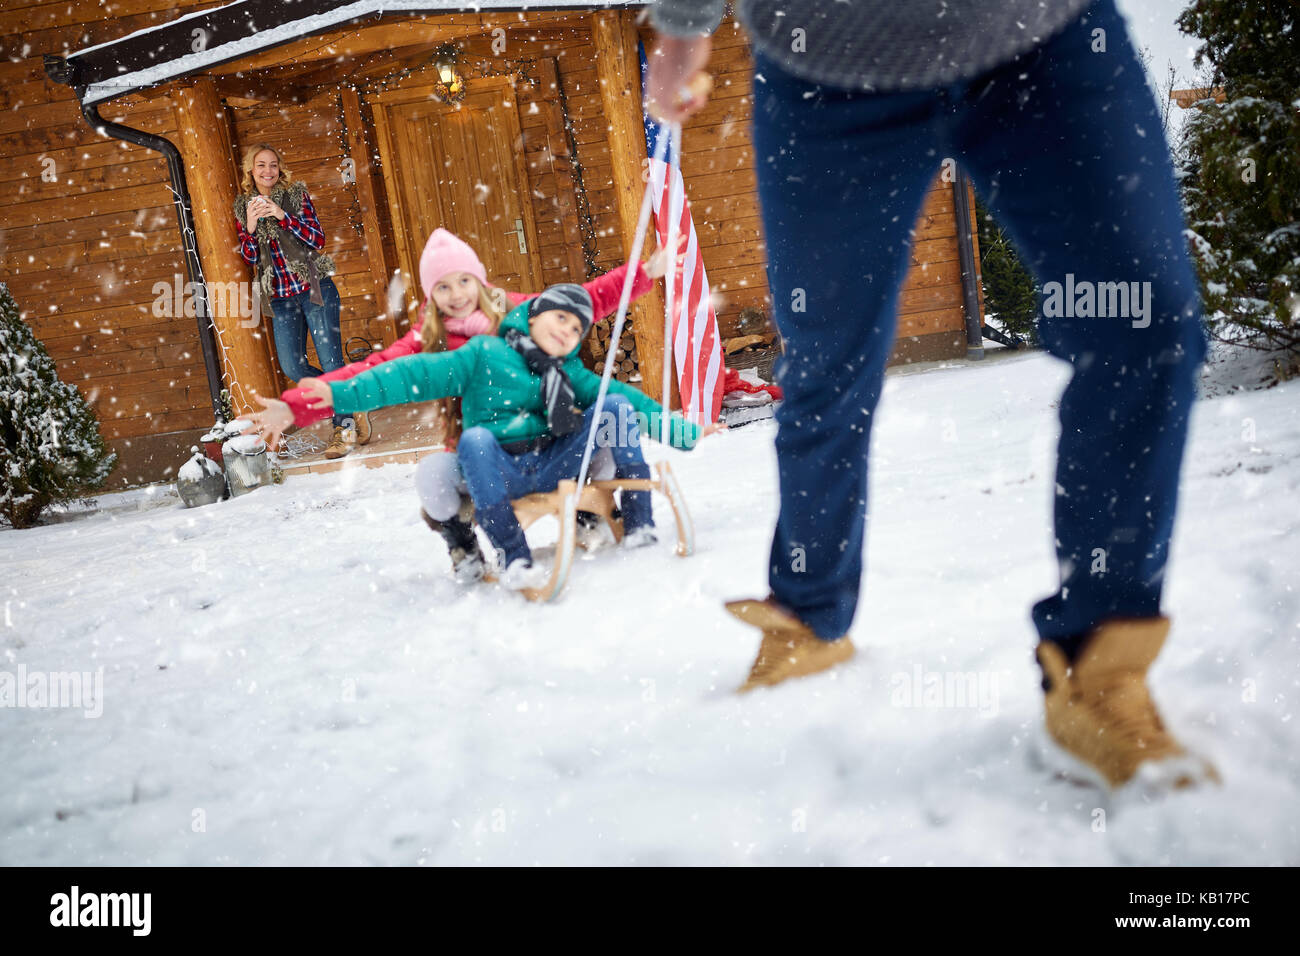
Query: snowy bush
pixel 1241 171
pixel 50 446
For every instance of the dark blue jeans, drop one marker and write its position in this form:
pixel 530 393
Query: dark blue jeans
pixel 294 316
pixel 494 476
pixel 1065 145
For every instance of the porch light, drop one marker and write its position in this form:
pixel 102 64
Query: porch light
pixel 451 85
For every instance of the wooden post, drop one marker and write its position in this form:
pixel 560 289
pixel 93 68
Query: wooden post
pixel 365 183
pixel 213 183
pixel 618 71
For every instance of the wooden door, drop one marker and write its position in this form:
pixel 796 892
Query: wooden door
pixel 460 167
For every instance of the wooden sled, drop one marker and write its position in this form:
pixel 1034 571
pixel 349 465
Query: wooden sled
pixel 597 497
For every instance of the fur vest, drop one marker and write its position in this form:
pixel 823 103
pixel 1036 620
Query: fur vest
pixel 303 261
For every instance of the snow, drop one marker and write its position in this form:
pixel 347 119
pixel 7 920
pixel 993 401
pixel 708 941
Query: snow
pixel 293 677
pixel 198 468
pixel 125 83
pixel 244 445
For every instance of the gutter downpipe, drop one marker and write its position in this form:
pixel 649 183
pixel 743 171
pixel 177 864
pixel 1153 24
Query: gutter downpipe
pixel 61 71
pixel 966 259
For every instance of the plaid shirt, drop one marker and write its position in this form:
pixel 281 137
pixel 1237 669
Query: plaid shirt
pixel 305 227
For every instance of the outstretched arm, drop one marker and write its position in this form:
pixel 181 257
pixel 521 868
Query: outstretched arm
pixel 415 378
pixel 303 414
pixel 606 289
pixel 681 433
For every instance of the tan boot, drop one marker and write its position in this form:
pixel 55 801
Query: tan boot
pixel 339 444
pixel 789 647
pixel 362 422
pixel 1100 711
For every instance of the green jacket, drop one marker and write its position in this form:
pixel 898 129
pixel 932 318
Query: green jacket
pixel 497 389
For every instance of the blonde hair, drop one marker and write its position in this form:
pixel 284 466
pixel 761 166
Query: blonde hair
pixel 250 155
pixel 433 334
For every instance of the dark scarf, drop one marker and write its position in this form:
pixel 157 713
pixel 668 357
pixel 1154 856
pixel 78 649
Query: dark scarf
pixel 562 413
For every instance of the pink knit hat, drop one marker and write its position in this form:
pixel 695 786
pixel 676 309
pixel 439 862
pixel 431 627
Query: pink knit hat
pixel 444 253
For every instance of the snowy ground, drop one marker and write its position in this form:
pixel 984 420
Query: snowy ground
pixel 293 678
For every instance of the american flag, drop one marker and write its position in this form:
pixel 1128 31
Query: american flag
pixel 697 346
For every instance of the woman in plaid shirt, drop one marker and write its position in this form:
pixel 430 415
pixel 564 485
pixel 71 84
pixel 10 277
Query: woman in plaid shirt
pixel 280 236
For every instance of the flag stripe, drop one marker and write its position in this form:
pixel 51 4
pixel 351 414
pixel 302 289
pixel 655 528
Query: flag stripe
pixel 696 343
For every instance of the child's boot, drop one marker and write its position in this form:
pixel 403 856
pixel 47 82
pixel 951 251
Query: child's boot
pixel 789 647
pixel 641 537
pixel 522 573
pixel 591 531
pixel 462 543
pixel 1100 712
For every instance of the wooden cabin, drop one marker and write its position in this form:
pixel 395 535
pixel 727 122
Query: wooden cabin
pixel 520 131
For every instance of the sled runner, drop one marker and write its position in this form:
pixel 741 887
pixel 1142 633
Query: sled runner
pixel 597 497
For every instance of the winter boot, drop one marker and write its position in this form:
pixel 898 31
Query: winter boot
pixel 522 574
pixel 339 444
pixel 591 532
pixel 789 648
pixel 1100 712
pixel 462 544
pixel 641 537
pixel 364 433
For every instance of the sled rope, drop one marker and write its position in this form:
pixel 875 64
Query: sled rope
pixel 625 298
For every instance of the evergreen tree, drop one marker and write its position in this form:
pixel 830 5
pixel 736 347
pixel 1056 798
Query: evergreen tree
pixel 1241 173
pixel 50 446
pixel 1010 294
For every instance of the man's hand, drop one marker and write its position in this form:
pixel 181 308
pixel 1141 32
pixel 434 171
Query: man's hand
pixel 678 85
pixel 712 429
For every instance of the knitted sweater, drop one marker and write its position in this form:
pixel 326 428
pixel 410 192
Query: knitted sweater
pixel 882 45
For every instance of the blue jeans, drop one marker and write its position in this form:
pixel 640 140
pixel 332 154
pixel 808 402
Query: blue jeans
pixel 294 315
pixel 1065 145
pixel 494 476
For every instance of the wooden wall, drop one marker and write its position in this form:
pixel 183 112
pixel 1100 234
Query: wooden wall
pixel 82 254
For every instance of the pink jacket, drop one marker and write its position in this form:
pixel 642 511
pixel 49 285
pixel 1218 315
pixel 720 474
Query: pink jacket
pixel 604 291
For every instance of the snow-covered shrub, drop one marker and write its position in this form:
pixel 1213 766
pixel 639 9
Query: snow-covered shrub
pixel 1241 173
pixel 50 446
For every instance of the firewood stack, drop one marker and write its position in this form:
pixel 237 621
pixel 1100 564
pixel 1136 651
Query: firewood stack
pixel 625 357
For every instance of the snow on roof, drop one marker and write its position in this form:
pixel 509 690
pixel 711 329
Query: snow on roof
pixel 156 26
pixel 131 81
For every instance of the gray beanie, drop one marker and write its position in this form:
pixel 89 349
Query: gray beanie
pixel 568 296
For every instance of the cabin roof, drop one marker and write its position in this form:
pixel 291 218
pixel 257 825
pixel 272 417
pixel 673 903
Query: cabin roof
pixel 199 41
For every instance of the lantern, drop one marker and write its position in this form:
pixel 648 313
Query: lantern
pixel 200 481
pixel 247 465
pixel 450 87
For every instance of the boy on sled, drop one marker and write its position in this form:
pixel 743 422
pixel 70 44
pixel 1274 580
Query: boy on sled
pixel 527 404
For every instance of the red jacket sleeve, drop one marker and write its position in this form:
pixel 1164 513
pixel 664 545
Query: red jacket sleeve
pixel 604 290
pixel 303 416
